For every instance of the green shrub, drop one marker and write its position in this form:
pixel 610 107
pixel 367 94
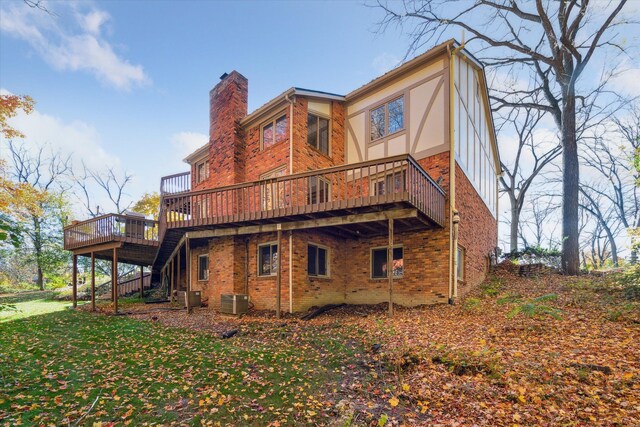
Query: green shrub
pixel 471 304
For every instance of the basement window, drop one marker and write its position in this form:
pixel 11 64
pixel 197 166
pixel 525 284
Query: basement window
pixel 379 262
pixel 318 133
pixel 268 259
pixel 203 267
pixel 461 256
pixel 317 261
pixel 387 118
pixel 274 131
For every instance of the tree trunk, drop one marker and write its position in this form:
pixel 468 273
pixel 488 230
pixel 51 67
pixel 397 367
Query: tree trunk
pixel 570 185
pixel 37 246
pixel 515 220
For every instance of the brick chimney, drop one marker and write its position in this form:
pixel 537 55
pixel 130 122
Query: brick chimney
pixel 227 106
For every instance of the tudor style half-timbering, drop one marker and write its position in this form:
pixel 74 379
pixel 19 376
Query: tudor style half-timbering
pixel 318 198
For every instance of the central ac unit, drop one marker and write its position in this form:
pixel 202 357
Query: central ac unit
pixel 234 304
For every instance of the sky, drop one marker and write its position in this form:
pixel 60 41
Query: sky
pixel 125 84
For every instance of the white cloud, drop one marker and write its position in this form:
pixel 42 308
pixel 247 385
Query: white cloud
pixel 385 62
pixel 187 142
pixel 75 138
pixel 627 82
pixel 72 45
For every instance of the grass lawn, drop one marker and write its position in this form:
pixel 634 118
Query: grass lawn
pixel 54 366
pixel 516 351
pixel 30 304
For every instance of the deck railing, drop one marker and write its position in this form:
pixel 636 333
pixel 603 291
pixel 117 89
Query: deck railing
pixel 377 182
pixel 109 228
pixel 177 183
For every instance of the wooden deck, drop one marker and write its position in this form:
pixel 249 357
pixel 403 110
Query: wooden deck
pixel 136 238
pixel 341 190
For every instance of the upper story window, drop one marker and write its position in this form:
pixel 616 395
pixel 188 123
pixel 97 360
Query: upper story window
pixel 318 133
pixel 274 131
pixel 319 190
pixel 202 171
pixel 391 183
pixel 387 118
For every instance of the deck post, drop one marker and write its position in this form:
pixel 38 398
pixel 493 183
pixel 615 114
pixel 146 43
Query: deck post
pixel 390 266
pixel 114 280
pixel 93 281
pixel 178 272
pixel 187 256
pixel 279 273
pixel 172 278
pixel 141 282
pixel 74 279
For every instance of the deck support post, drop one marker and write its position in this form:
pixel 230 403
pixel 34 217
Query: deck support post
pixel 114 280
pixel 172 275
pixel 279 274
pixel 187 256
pixel 93 281
pixel 390 266
pixel 179 271
pixel 74 279
pixel 141 282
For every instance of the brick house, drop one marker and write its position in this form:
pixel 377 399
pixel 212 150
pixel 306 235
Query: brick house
pixel 304 201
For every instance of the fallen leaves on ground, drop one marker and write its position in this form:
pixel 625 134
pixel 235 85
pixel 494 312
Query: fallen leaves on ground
pixel 568 356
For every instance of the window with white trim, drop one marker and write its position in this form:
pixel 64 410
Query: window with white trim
pixel 390 183
pixel 203 267
pixel 317 260
pixel 268 259
pixel 386 119
pixel 318 133
pixel 202 171
pixel 272 195
pixel 461 259
pixel 319 189
pixel 273 132
pixel 379 262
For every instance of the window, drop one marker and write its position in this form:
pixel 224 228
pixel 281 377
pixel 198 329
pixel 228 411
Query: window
pixel 268 259
pixel 318 190
pixel 379 262
pixel 202 209
pixel 203 267
pixel 274 131
pixel 389 184
pixel 387 118
pixel 461 263
pixel 202 171
pixel 317 261
pixel 272 195
pixel 318 133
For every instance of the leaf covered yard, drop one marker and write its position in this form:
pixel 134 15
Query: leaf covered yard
pixel 517 351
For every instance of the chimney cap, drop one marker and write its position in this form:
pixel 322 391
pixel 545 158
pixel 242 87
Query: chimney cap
pixel 224 76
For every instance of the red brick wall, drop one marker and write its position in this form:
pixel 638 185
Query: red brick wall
pixel 258 162
pixel 228 104
pixel 477 232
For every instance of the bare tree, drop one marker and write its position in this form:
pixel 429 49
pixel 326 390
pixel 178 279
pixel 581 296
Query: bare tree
pixel 541 224
pixel 45 174
pixel 110 184
pixel 553 41
pixel 530 159
pixel 603 213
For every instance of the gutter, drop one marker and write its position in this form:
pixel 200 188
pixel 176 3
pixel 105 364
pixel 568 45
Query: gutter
pixel 290 101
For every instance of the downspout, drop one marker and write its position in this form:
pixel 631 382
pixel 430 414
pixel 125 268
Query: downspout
pixel 453 213
pixel 290 101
